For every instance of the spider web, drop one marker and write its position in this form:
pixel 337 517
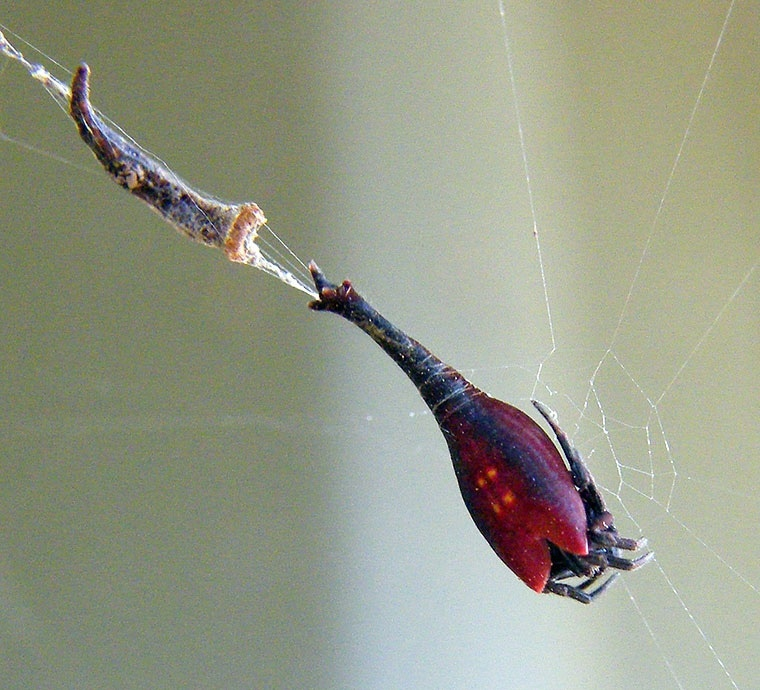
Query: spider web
pixel 618 285
pixel 644 431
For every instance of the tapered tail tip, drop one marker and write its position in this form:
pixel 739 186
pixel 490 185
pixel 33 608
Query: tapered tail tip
pixel 332 297
pixel 322 285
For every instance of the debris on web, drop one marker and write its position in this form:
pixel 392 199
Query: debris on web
pixel 240 230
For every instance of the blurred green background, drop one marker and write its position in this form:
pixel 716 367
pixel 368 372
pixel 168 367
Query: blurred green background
pixel 206 485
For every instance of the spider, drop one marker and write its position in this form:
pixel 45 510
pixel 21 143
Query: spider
pixel 546 520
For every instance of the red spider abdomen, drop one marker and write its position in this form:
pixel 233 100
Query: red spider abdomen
pixel 515 485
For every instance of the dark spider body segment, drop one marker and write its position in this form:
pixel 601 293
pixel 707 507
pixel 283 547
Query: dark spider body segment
pixel 546 523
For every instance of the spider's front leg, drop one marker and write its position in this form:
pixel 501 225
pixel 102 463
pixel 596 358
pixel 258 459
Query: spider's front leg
pixel 601 528
pixel 582 478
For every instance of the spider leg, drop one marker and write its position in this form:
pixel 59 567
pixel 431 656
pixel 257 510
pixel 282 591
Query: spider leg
pixel 603 587
pixel 564 590
pixel 579 593
pixel 591 569
pixel 601 528
pixel 628 564
pixel 566 565
pixel 586 584
pixel 582 478
pixel 612 540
